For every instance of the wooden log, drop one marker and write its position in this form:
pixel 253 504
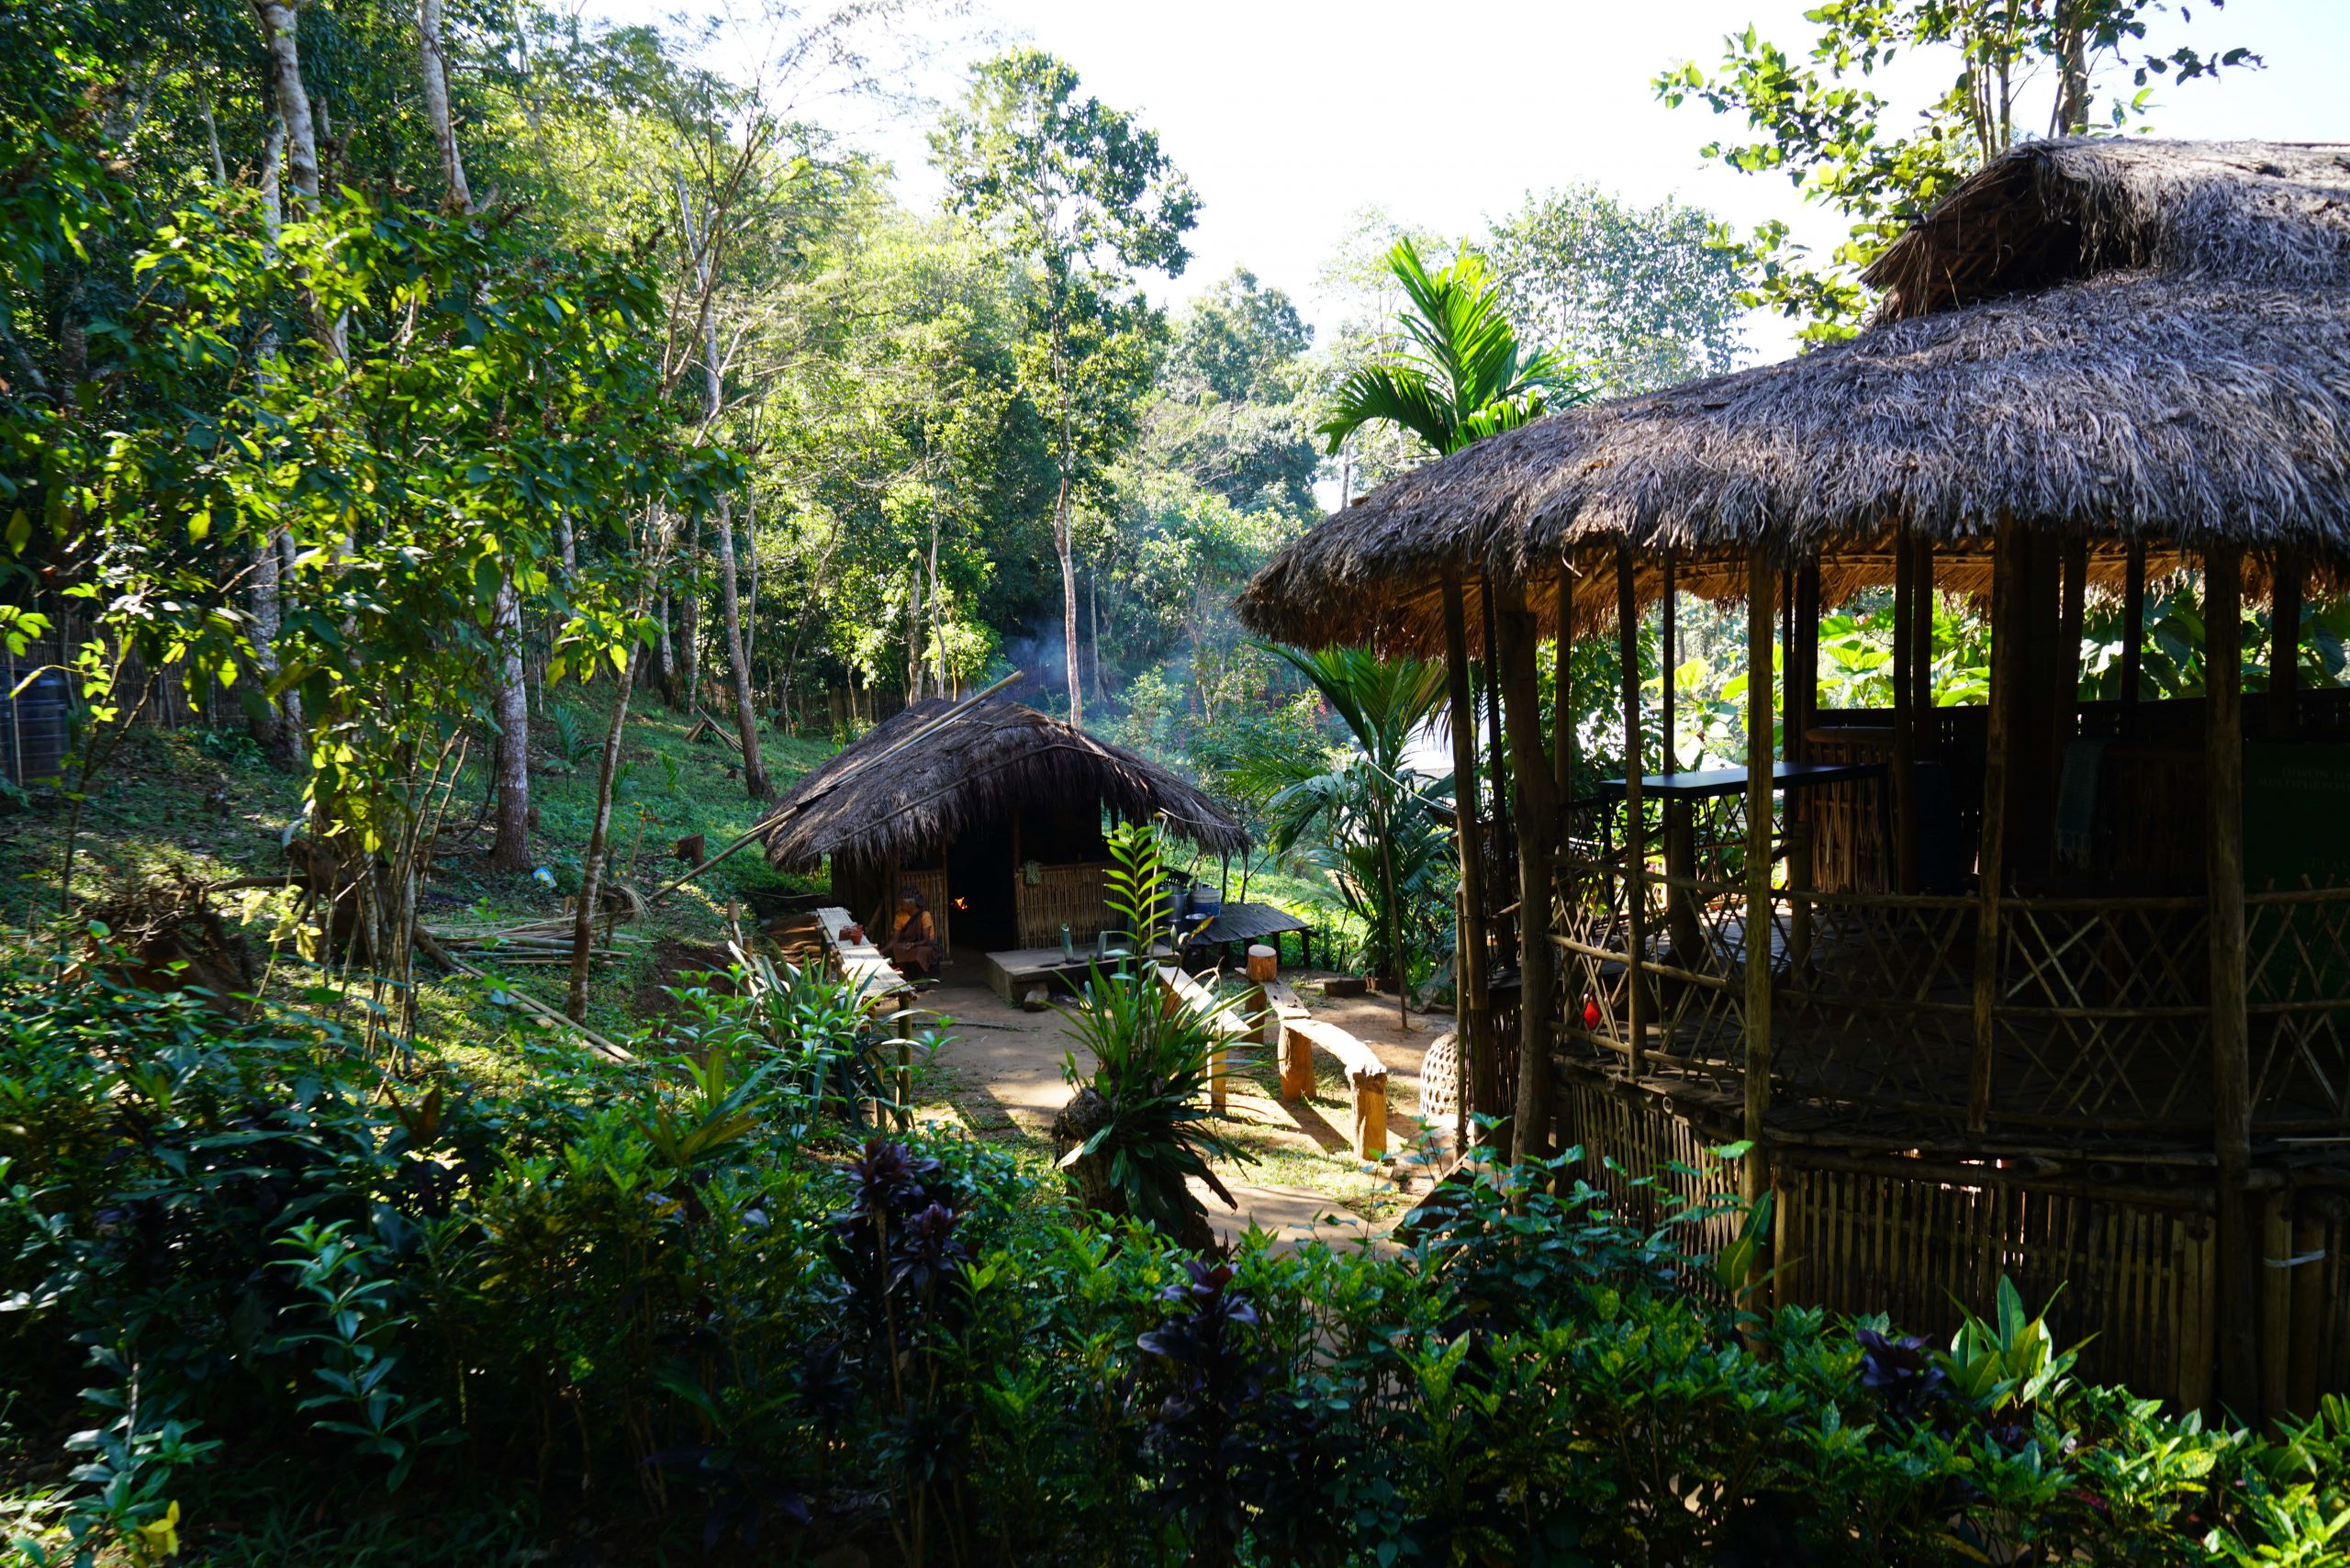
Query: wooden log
pixel 1627 642
pixel 1478 1052
pixel 2276 1301
pixel 2007 672
pixel 1538 820
pixel 2239 1329
pixel 1761 581
pixel 2305 1331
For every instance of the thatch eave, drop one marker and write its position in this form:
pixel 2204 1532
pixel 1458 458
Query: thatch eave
pixel 972 770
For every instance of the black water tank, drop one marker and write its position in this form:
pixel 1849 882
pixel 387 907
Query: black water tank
pixel 34 731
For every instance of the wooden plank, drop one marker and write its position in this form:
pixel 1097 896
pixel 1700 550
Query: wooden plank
pixel 860 962
pixel 1366 1080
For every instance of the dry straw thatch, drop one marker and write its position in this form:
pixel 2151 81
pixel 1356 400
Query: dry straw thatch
pixel 986 762
pixel 2108 339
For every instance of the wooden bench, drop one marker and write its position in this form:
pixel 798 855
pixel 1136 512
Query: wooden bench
pixel 883 989
pixel 1300 1035
pixel 1230 1021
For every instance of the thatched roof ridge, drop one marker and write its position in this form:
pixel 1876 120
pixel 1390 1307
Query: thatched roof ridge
pixel 2179 409
pixel 973 769
pixel 2050 212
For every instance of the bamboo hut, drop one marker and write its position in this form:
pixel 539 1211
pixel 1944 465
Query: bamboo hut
pixel 2047 988
pixel 996 816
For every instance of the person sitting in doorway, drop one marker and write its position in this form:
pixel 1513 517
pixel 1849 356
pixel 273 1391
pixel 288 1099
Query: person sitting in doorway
pixel 912 945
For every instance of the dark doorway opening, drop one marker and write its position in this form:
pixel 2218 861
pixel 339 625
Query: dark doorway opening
pixel 979 877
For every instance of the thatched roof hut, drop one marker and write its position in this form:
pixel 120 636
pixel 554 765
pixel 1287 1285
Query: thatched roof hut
pixel 978 768
pixel 2113 340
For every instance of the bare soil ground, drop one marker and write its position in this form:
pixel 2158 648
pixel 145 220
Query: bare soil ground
pixel 1000 1074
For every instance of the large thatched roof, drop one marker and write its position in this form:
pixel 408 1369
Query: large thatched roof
pixel 2112 339
pixel 975 768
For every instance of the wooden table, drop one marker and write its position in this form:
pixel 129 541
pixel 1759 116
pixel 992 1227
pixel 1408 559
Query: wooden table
pixel 1015 970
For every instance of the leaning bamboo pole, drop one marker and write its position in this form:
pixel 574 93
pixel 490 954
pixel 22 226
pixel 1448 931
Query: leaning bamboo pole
pixel 767 825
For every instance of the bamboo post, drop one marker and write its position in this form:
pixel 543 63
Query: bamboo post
pixel 1668 657
pixel 2276 1301
pixel 1636 920
pixel 1762 580
pixel 1538 816
pixel 1475 1015
pixel 1563 711
pixel 2133 631
pixel 1905 715
pixel 2070 619
pixel 1921 641
pixel 2306 1328
pixel 2007 674
pixel 2285 644
pixel 2231 1044
pixel 906 1064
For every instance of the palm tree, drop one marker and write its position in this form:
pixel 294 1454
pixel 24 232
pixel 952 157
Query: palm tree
pixel 1463 374
pixel 1370 809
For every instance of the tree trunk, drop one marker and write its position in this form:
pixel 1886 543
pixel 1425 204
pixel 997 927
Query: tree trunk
pixel 583 923
pixel 268 722
pixel 1531 774
pixel 665 655
pixel 293 101
pixel 1068 604
pixel 512 849
pixel 746 714
pixel 689 618
pixel 433 66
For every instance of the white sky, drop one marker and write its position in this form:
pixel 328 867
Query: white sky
pixel 1291 115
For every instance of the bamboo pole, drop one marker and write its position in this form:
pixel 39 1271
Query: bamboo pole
pixel 1668 657
pixel 2285 644
pixel 1563 713
pixel 1538 816
pixel 1905 717
pixel 2134 630
pixel 1921 641
pixel 1475 1016
pixel 2239 1354
pixel 1762 580
pixel 2070 620
pixel 2008 670
pixel 1627 642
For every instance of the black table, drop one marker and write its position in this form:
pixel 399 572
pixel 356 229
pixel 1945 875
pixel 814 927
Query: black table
pixel 1680 791
pixel 1713 782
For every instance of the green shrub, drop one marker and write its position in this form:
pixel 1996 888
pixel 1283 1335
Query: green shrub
pixel 684 1309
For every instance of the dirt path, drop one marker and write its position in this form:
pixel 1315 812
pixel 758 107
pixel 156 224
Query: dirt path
pixel 1000 1075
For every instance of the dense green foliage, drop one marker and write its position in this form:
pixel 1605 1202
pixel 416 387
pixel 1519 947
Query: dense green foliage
pixel 256 1290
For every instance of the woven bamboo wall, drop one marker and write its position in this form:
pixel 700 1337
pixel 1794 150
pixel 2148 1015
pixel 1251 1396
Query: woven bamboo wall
pixel 1070 895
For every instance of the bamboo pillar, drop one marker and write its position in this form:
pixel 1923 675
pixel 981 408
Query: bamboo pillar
pixel 1922 647
pixel 1905 715
pixel 1761 581
pixel 2133 631
pixel 1636 913
pixel 1801 661
pixel 2285 645
pixel 1538 815
pixel 1494 713
pixel 1668 657
pixel 2007 673
pixel 2231 1044
pixel 1475 1030
pixel 1562 716
pixel 2069 621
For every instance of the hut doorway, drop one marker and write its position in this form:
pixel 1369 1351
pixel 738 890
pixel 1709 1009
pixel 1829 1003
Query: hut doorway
pixel 979 880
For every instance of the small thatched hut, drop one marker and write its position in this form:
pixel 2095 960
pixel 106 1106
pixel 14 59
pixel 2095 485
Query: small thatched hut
pixel 2038 987
pixel 996 815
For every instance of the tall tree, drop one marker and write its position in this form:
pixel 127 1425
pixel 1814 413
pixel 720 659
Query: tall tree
pixel 1231 409
pixel 1634 298
pixel 1880 162
pixel 1082 194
